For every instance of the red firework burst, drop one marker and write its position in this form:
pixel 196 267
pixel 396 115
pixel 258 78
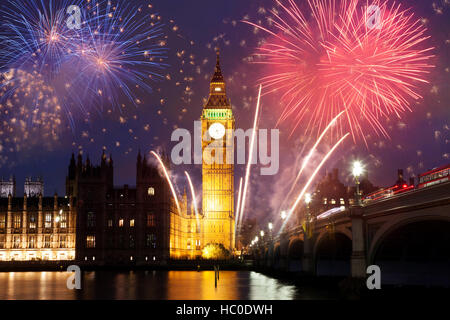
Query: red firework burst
pixel 344 57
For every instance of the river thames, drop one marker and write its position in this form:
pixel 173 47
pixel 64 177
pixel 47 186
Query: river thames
pixel 154 285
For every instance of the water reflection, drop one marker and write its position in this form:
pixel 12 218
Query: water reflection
pixel 171 285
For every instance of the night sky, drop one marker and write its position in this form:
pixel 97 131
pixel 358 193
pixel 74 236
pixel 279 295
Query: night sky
pixel 419 140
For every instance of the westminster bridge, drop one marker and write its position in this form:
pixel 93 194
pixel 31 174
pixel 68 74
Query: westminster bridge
pixel 406 235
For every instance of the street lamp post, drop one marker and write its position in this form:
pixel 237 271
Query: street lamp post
pixel 308 200
pixel 357 171
pixel 270 227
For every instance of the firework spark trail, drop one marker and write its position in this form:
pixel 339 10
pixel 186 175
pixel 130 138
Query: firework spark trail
pixel 35 33
pixel 116 53
pixel 308 157
pixel 333 61
pixel 238 207
pixel 119 51
pixel 166 174
pixel 194 198
pixel 310 180
pixel 250 156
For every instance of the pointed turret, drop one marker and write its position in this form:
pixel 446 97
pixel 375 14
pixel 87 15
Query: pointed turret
pixel 217 77
pixel 139 165
pixel 88 162
pixel 80 162
pixel 217 89
pixel 72 167
pixel 103 161
pixel 139 157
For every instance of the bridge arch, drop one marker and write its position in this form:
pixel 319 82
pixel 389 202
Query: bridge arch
pixel 266 257
pixel 396 223
pixel 295 255
pixel 332 254
pixel 276 256
pixel 413 250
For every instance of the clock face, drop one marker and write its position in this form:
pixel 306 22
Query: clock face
pixel 216 130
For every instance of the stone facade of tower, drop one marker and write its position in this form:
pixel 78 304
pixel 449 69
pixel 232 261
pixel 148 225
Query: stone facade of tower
pixel 33 187
pixel 8 187
pixel 217 167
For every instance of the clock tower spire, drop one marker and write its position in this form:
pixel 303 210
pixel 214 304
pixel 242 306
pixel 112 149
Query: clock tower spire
pixel 218 171
pixel 217 89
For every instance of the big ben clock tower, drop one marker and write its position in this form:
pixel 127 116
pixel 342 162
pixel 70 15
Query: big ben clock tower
pixel 217 165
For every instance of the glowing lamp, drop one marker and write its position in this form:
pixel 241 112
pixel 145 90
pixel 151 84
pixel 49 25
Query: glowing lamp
pixel 357 168
pixel 308 198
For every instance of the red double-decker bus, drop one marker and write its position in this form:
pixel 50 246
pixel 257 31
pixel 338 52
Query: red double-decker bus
pixel 388 192
pixel 435 176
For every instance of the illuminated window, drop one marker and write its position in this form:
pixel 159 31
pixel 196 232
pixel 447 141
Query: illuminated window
pixel 32 222
pixel 32 242
pixel 17 221
pixel 63 241
pixel 132 223
pixel 324 200
pixel 342 201
pixel 2 221
pixel 90 242
pixel 48 220
pixel 120 222
pixel 47 241
pixel 110 223
pixel 217 89
pixel 333 201
pixel 151 191
pixel 63 221
pixel 16 242
pixel 151 220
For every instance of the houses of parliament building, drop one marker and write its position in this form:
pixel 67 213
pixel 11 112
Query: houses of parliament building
pixel 96 223
pixel 34 227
